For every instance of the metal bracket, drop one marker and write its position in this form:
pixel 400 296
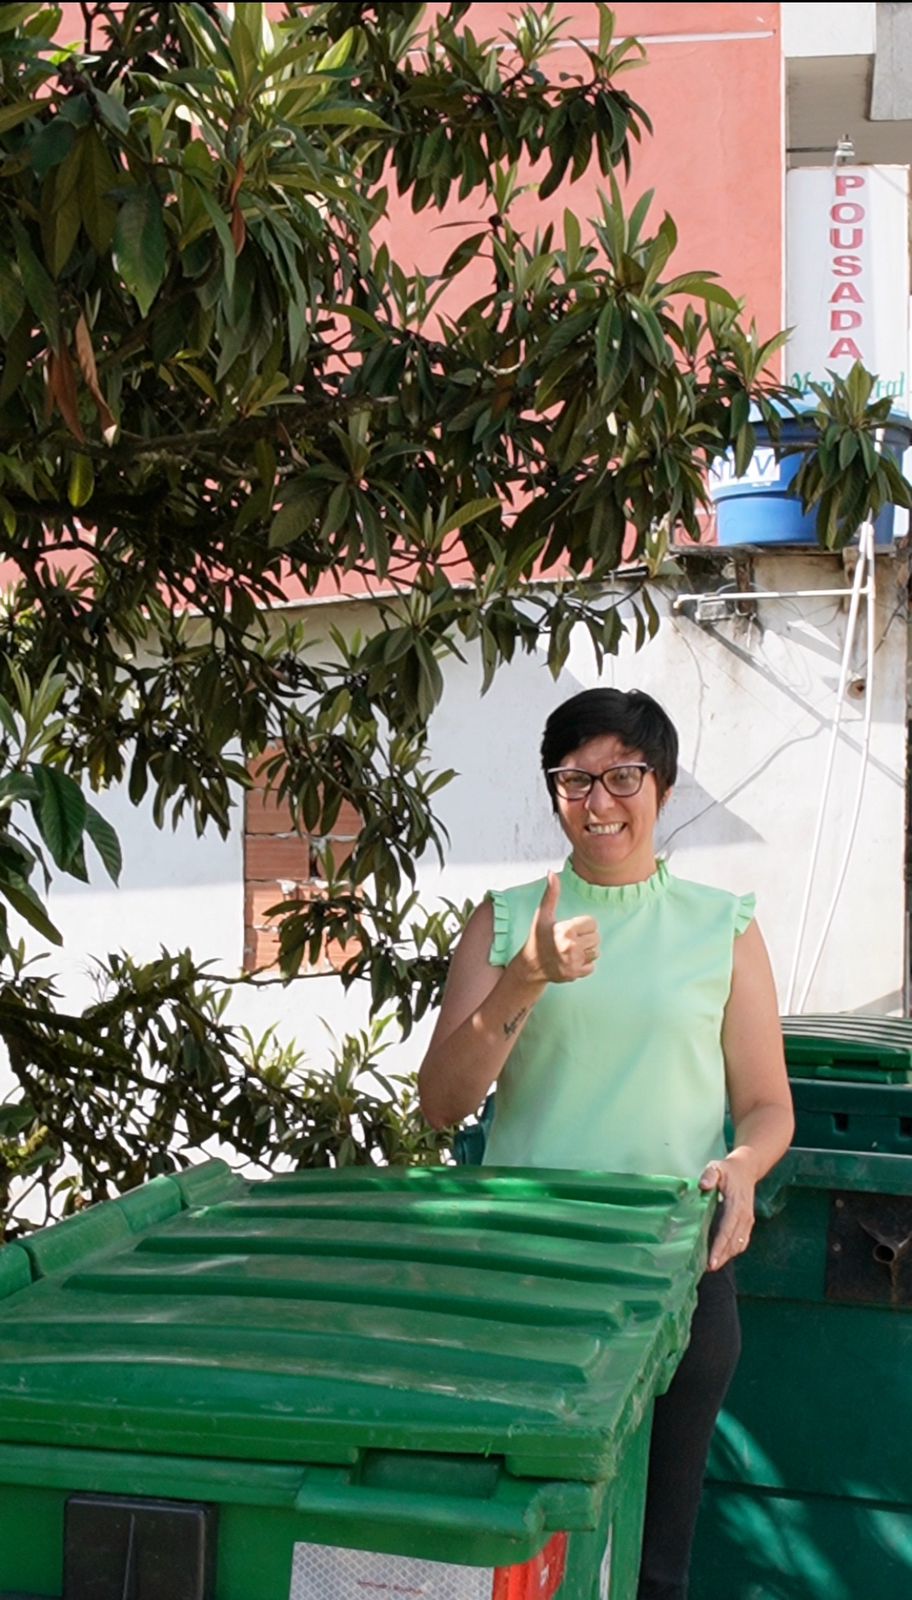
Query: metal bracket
pixel 869 1249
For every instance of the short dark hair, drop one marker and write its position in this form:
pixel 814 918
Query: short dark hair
pixel 633 717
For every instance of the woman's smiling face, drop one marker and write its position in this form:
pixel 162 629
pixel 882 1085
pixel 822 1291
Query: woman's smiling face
pixel 611 838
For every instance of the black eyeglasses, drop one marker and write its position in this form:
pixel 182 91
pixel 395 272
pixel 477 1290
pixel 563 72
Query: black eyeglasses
pixel 623 781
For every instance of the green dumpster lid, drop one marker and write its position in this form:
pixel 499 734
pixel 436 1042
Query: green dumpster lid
pixel 842 1046
pixel 327 1315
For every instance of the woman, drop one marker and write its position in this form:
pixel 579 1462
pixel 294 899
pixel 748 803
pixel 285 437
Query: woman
pixel 616 1007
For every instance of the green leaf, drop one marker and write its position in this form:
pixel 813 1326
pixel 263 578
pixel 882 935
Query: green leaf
pixel 858 386
pixel 113 111
pixel 337 510
pixel 59 811
pixel 77 110
pixel 433 148
pixel 39 288
pixel 661 247
pixel 745 445
pixel 338 53
pixel 220 223
pixel 361 318
pixel 652 328
pixel 342 116
pixel 740 412
pixel 15 785
pixel 573 238
pixel 771 346
pixel 14 16
pixel 97 178
pixel 614 231
pixel 208 36
pixel 606 28
pixel 105 841
pixel 16 1118
pixel 291 520
pixel 467 514
pixel 701 287
pixel 638 217
pixel 61 212
pixel 465 252
pixel 50 145
pixel 23 899
pixel 848 449
pixel 76 867
pixel 553 177
pixel 82 481
pixel 200 378
pixel 899 488
pixel 555 373
pixel 243 52
pixel 139 246
pixel 12 301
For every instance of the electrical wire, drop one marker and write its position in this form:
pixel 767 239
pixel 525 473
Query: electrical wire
pixel 865 551
pixel 867 533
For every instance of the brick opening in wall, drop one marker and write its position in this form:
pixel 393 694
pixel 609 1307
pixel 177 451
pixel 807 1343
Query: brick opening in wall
pixel 282 863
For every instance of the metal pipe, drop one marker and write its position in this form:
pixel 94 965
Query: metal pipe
pixel 760 594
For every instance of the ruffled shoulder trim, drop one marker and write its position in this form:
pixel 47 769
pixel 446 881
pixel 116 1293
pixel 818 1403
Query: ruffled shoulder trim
pixel 744 912
pixel 499 953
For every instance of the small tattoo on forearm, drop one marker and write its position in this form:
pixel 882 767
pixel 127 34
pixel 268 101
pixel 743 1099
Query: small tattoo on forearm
pixel 510 1027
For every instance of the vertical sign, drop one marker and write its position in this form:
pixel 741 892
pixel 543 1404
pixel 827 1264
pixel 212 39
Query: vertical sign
pixel 847 245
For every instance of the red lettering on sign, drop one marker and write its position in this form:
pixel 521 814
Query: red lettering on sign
pixel 841 320
pixel 846 291
pixel 848 227
pixel 848 211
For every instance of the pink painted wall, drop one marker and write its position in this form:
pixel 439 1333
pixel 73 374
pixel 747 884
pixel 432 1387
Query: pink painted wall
pixel 713 86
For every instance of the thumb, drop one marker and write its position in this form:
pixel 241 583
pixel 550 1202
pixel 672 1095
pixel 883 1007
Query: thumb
pixel 709 1177
pixel 549 899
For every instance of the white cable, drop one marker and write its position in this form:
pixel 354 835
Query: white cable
pixel 860 570
pixel 867 547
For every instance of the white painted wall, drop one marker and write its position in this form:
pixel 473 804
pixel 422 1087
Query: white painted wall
pixel 753 702
pixel 835 29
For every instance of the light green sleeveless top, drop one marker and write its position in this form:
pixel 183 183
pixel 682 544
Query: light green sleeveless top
pixel 622 1071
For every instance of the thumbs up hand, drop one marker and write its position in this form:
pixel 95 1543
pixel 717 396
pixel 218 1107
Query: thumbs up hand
pixel 559 952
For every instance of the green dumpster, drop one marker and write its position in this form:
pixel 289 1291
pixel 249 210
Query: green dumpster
pixel 415 1382
pixel 809 1490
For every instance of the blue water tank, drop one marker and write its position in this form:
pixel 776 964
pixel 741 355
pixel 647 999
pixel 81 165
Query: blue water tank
pixel 757 508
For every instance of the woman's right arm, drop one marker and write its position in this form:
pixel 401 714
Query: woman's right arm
pixel 484 1007
pixel 482 1012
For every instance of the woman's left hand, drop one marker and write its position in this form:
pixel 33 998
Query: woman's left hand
pixel 735 1181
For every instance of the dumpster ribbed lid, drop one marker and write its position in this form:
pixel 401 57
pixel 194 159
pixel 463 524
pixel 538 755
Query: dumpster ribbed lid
pixel 323 1315
pixel 842 1046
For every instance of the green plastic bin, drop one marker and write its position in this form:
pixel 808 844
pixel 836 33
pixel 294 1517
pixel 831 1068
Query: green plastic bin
pixel 425 1382
pixel 849 1049
pixel 809 1491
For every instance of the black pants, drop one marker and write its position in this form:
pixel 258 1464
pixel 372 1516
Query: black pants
pixel 681 1432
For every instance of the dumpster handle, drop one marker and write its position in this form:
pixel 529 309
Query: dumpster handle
pixel 534 1510
pixel 865 1171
